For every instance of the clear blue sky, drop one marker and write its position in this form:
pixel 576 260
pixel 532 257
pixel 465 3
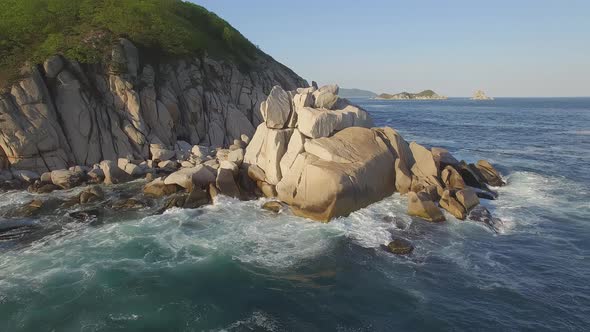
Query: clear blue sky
pixel 507 48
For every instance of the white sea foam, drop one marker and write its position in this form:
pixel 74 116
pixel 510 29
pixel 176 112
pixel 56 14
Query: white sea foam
pixel 258 320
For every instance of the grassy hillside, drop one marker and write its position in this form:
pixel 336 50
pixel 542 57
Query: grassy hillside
pixel 84 30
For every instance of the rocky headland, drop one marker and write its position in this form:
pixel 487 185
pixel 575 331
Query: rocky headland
pixel 480 95
pixel 194 134
pixel 424 95
pixel 134 131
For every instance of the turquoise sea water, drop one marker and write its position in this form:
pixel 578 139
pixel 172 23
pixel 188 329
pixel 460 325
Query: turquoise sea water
pixel 234 267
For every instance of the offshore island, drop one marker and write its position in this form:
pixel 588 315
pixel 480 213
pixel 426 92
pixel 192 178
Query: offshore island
pixel 424 95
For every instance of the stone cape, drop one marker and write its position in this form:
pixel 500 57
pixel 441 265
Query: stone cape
pixel 311 149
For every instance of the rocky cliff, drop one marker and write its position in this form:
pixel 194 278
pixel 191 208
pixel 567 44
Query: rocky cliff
pixel 64 113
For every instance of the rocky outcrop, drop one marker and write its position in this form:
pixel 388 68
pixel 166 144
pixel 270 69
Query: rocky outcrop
pixel 480 95
pixel 321 155
pixel 312 150
pixel 63 113
pixel 324 161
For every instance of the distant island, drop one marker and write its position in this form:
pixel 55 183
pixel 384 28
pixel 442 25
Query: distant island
pixel 424 95
pixel 357 93
pixel 480 95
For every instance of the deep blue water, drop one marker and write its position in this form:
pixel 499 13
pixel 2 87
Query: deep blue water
pixel 233 267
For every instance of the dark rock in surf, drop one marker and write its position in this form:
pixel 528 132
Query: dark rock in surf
pixel 86 216
pixel 470 175
pixel 92 194
pixel 273 206
pixel 42 188
pixel 128 204
pixel 489 174
pixel 400 246
pixel 29 209
pixel 483 215
pixel 196 198
pixel 485 194
pixel 397 221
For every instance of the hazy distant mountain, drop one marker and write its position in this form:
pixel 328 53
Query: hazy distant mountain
pixel 356 93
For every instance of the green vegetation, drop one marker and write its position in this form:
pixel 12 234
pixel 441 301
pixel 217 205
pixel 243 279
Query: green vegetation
pixel 85 30
pixel 426 93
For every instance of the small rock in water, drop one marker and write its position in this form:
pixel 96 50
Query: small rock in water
pixel 400 246
pixel 196 198
pixel 483 215
pixel 92 194
pixel 273 206
pixel 41 188
pixel 485 194
pixel 128 204
pixel 397 221
pixel 86 216
pixel 27 210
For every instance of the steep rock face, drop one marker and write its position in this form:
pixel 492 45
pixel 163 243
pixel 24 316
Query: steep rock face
pixel 63 113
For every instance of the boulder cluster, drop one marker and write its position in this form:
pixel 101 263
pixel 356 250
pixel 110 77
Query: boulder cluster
pixel 313 151
pixel 322 156
pixel 192 174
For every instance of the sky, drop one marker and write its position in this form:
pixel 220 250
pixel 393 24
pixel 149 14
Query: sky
pixel 525 48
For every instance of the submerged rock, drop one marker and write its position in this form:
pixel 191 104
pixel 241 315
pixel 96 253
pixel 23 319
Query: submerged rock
pixel 29 209
pixel 128 204
pixel 86 216
pixel 483 215
pixel 400 246
pixel 92 194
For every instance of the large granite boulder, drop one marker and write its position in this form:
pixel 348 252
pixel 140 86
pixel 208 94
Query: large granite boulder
pixel 278 108
pixel 424 165
pixel 226 182
pixel 404 158
pixel 188 178
pixel 158 188
pixel 443 158
pixel 420 205
pixel 315 123
pixel 452 179
pixel 450 203
pixel 113 174
pixel 66 179
pixel 351 170
pixel 468 198
pixel 490 175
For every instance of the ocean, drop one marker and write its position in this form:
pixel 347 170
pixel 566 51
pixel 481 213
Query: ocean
pixel 234 267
